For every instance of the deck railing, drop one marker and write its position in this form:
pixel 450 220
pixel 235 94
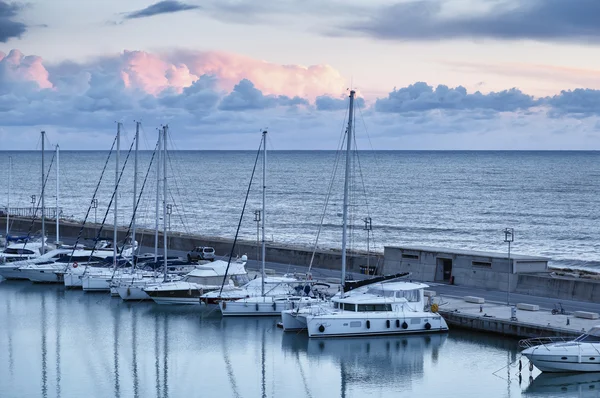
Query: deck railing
pixel 50 212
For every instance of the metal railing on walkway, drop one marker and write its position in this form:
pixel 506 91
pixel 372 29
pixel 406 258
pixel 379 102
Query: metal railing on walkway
pixel 50 212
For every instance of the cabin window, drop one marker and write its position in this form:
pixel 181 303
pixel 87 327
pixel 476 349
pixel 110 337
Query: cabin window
pixel 374 307
pixel 410 256
pixel 348 307
pixel 481 264
pixel 410 295
pixel 355 324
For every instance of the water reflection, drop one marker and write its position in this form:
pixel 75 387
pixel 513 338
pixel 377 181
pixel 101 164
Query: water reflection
pixel 70 344
pixel 565 385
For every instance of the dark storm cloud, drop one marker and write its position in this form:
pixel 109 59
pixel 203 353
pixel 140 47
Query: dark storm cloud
pixel 162 7
pixel 8 27
pixel 544 20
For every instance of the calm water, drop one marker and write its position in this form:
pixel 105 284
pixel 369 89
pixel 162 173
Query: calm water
pixel 452 199
pixel 57 343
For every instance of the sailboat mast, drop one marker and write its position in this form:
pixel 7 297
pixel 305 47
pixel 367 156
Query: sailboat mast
pixel 165 129
pixel 264 214
pixel 347 186
pixel 157 195
pixel 8 199
pixel 43 202
pixel 135 176
pixel 57 194
pixel 116 195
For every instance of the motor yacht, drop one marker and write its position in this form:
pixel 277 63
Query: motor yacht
pixel 556 354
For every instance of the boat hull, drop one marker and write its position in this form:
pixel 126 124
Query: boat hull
pixel 46 275
pixel 562 362
pixel 12 273
pixel 374 325
pixel 131 293
pixel 96 283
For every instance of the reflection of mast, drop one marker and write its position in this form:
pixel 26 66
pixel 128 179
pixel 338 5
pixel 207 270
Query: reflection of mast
pixel 44 352
pixel 229 368
pixel 11 362
pixel 156 355
pixel 116 348
pixel 58 325
pixel 136 386
pixel 343 379
pixel 262 363
pixel 166 353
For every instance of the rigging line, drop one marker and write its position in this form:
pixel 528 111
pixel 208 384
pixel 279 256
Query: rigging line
pixel 362 179
pixel 180 214
pixel 341 141
pixel 112 198
pixel 241 216
pixel 139 198
pixel 90 205
pixel 47 175
pixel 362 118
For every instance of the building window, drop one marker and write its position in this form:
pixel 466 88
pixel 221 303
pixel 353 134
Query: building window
pixel 481 264
pixel 410 256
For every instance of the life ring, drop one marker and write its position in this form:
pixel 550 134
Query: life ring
pixel 434 308
pixel 75 264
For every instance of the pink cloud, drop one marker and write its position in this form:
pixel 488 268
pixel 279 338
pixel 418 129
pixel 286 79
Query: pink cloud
pixel 154 73
pixel 18 68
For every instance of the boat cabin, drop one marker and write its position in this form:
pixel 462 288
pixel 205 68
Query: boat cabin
pixel 381 297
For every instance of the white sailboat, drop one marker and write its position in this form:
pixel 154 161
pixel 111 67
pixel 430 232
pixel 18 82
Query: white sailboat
pixel 375 307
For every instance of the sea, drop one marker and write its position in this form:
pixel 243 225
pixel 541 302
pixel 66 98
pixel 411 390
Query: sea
pixel 70 344
pixel 453 199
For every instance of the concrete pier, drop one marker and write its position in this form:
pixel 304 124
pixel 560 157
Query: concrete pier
pixel 276 252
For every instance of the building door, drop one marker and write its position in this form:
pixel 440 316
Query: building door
pixel 444 267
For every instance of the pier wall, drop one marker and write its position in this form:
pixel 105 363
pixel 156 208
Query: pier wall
pixel 279 253
pixel 504 326
pixel 559 287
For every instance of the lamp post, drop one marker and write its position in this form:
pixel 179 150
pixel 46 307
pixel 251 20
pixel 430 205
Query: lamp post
pixel 509 237
pixel 169 211
pixel 95 207
pixel 257 220
pixel 368 227
pixel 32 205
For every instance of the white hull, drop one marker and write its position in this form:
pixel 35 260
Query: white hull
pixel 12 273
pixel 96 283
pixel 262 306
pixel 135 293
pixel 291 322
pixel 373 324
pixel 73 280
pixel 47 275
pixel 176 300
pixel 558 365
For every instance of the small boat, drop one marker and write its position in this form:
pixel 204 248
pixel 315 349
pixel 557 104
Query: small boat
pixel 12 270
pixel 558 354
pixel 204 278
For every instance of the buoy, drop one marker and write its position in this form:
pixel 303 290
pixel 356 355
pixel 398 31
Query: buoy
pixel 256 306
pixel 128 292
pixel 368 324
pixel 530 366
pixel 404 325
pixel 397 323
pixel 224 304
pixel 520 365
pixel 75 264
pixel 387 323
pixel 321 328
pixel 427 326
pixel 434 308
pixel 274 306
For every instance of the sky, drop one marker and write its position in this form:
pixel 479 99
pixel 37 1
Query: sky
pixel 429 74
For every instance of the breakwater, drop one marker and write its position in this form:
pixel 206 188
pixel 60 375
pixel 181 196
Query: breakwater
pixel 275 252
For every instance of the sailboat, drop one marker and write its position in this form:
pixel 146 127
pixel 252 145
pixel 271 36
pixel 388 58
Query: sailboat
pixel 262 296
pixel 380 306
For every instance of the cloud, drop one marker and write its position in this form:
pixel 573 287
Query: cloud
pixel 8 27
pixel 544 20
pixel 245 97
pixel 162 7
pixel 193 94
pixel 422 97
